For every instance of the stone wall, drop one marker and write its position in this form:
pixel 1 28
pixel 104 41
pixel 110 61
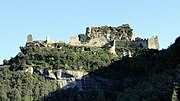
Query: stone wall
pixel 101 41
pixel 123 43
pixel 153 43
pixel 142 43
pixel 74 40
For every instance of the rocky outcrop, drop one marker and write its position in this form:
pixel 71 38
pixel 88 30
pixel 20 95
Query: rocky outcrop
pixel 123 32
pixel 99 36
pixel 127 53
pixel 80 79
pixel 87 82
pixel 29 70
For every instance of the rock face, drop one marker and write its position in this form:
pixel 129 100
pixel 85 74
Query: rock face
pixel 29 70
pixel 80 79
pixel 127 53
pixel 123 32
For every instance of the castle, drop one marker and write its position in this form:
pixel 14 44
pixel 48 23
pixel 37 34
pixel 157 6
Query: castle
pixel 122 35
pixel 105 36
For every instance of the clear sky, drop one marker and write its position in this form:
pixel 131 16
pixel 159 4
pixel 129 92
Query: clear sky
pixel 60 19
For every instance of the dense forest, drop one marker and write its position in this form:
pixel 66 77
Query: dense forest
pixel 150 75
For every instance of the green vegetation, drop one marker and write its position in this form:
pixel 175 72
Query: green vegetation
pixel 61 56
pixel 147 76
pixel 19 86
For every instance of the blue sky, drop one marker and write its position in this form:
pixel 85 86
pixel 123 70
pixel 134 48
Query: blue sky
pixel 61 19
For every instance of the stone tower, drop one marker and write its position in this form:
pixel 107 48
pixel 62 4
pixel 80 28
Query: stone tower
pixel 112 49
pixel 29 38
pixel 74 40
pixel 153 43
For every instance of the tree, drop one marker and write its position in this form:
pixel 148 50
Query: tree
pixel 5 62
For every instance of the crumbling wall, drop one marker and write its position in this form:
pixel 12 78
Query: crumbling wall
pixel 124 32
pixel 101 41
pixel 142 43
pixel 153 43
pixel 74 40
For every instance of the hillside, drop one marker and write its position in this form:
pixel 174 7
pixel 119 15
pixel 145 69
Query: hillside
pixel 150 76
pixel 45 70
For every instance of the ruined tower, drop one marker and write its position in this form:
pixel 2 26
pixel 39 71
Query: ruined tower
pixel 29 38
pixel 112 49
pixel 153 43
pixel 74 40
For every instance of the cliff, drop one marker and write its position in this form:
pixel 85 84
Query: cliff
pixel 66 79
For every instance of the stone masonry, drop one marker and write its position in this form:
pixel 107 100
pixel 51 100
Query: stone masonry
pixel 74 40
pixel 29 38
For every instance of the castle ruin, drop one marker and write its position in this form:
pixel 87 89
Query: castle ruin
pixel 123 35
pixel 106 35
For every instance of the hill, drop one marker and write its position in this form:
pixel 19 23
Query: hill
pixel 46 70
